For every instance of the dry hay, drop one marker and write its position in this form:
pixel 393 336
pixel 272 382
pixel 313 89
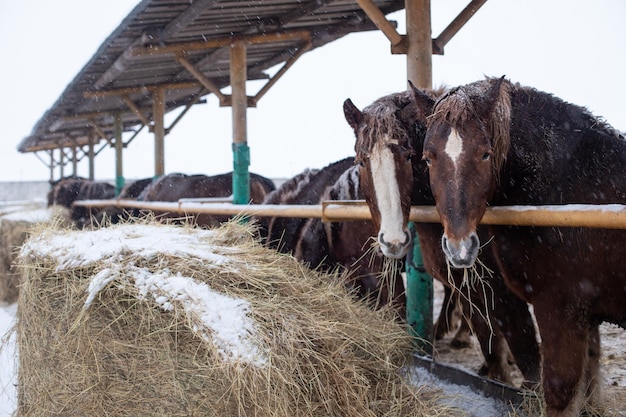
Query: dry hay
pixel 159 320
pixel 15 226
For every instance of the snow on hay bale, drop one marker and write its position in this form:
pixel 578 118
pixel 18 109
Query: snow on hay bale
pixel 16 222
pixel 149 319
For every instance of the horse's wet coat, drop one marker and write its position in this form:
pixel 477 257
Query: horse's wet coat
pixel 402 117
pixel 173 187
pixel 525 147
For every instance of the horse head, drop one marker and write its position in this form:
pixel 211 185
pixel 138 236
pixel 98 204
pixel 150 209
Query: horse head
pixel 463 151
pixel 385 154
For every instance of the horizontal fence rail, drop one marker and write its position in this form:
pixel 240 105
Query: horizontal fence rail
pixel 610 216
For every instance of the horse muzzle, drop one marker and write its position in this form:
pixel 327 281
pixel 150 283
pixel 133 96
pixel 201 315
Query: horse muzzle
pixel 461 253
pixel 395 248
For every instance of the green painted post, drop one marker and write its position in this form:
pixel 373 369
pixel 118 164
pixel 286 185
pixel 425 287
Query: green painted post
pixel 119 184
pixel 241 176
pixel 419 297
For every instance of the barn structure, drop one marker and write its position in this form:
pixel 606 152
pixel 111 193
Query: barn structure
pixel 170 54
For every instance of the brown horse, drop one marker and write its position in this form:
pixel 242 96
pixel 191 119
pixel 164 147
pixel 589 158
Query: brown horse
pixel 68 190
pixel 130 191
pixel 392 179
pixel 173 187
pixel 347 245
pixel 283 233
pixel 498 143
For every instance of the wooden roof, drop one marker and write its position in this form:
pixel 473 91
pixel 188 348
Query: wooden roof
pixel 162 43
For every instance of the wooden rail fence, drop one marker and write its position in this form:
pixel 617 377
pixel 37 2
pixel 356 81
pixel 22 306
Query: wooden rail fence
pixel 610 216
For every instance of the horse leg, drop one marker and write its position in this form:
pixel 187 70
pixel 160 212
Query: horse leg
pixel 517 326
pixel 463 336
pixel 565 348
pixel 446 320
pixel 594 392
pixel 399 295
pixel 492 344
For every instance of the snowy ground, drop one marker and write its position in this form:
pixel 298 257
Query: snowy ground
pixel 8 380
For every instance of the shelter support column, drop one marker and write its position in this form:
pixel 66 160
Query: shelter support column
pixel 61 163
pixel 241 152
pixel 119 145
pixel 51 165
pixel 92 156
pixel 74 161
pixel 158 117
pixel 419 56
pixel 419 289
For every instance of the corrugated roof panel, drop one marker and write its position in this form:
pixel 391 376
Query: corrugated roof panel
pixel 116 67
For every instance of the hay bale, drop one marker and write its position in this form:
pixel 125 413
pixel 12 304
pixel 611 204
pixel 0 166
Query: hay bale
pixel 149 319
pixel 15 226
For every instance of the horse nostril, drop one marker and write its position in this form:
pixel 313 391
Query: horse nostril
pixel 381 239
pixel 475 242
pixel 408 237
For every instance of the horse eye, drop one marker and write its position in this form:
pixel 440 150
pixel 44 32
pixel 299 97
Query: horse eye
pixel 427 160
pixel 486 156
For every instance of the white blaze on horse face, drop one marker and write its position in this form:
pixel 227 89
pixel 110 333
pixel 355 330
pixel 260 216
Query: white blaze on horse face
pixel 454 146
pixel 387 191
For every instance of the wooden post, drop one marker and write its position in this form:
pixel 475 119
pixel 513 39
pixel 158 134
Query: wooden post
pixel 419 289
pixel 92 155
pixel 158 116
pixel 420 48
pixel 239 103
pixel 74 161
pixel 51 166
pixel 61 163
pixel 119 145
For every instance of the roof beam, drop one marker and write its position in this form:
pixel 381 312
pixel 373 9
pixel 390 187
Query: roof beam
pixel 207 83
pixel 306 47
pixel 131 105
pixel 146 90
pixel 381 22
pixel 120 64
pixel 456 25
pixel 181 47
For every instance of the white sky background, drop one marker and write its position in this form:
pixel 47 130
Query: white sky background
pixel 574 49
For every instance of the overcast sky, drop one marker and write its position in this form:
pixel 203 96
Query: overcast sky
pixel 574 49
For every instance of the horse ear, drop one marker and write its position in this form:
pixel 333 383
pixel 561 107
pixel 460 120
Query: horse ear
pixel 423 103
pixel 353 115
pixel 488 105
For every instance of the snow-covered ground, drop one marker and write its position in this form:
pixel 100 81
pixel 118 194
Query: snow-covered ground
pixel 8 359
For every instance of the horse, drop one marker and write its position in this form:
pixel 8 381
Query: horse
pixel 493 142
pixel 113 214
pixel 388 133
pixel 175 186
pixel 68 190
pixel 282 233
pixel 346 245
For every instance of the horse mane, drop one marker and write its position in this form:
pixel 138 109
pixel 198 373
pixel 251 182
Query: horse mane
pixel 461 104
pixel 381 118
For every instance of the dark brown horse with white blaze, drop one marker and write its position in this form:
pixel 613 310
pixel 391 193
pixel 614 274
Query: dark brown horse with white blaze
pixel 392 179
pixel 493 142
